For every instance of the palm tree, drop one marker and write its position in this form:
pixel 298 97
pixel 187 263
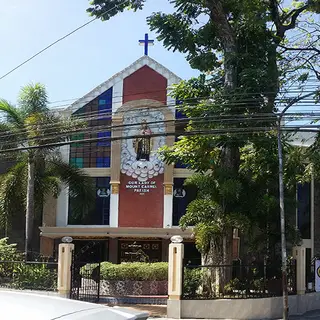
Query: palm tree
pixel 38 169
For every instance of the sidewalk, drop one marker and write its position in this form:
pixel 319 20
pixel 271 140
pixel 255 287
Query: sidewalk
pixel 155 311
pixel 158 312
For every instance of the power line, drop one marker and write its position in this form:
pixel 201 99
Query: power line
pixel 220 119
pixel 104 128
pixel 103 115
pixel 58 40
pixel 237 132
pixel 168 89
pixel 173 133
pixel 242 103
pixel 239 104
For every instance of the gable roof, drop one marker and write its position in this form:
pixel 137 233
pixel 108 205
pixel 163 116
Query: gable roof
pixel 143 61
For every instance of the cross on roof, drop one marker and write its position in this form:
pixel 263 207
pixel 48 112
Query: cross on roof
pixel 146 43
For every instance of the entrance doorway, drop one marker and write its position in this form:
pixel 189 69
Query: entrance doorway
pixel 91 251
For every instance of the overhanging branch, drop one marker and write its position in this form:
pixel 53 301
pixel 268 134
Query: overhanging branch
pixel 278 20
pixel 294 14
pixel 299 49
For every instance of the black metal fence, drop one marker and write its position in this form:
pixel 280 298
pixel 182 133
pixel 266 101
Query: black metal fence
pixel 236 281
pixel 29 275
pixel 310 276
pixel 85 282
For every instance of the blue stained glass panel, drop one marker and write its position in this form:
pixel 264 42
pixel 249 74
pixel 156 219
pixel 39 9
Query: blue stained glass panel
pixel 104 143
pixel 103 162
pixel 182 196
pixel 105 105
pixel 180 165
pixel 179 113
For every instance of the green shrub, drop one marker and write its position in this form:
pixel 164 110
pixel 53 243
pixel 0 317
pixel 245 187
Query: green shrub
pixel 34 276
pixel 15 273
pixel 135 271
pixel 9 252
pixel 192 281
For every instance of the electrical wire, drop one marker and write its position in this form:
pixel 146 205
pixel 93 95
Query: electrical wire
pixel 237 105
pixel 59 40
pixel 223 119
pixel 228 118
pixel 173 133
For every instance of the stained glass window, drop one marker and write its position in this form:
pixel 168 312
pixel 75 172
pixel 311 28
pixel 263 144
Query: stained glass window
pixel 180 127
pixel 98 114
pixel 182 196
pixel 103 162
pixel 79 136
pixel 99 213
pixel 104 143
pixel 77 162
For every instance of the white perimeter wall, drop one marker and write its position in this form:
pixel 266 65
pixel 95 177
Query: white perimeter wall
pixel 249 309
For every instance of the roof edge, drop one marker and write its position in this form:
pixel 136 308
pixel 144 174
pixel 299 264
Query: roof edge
pixel 142 61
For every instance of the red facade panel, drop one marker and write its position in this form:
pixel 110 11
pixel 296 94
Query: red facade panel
pixel 145 83
pixel 141 209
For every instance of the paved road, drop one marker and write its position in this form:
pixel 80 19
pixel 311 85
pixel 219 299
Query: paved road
pixel 312 315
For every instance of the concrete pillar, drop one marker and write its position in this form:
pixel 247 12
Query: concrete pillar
pixel 64 268
pixel 167 205
pixel 168 176
pixel 299 253
pixel 175 277
pixel 115 171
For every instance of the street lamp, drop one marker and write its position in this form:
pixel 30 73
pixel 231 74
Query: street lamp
pixel 282 223
pixel 282 211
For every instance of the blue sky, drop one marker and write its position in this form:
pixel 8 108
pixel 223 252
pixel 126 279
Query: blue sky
pixel 79 63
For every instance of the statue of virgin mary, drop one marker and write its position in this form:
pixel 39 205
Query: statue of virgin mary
pixel 143 145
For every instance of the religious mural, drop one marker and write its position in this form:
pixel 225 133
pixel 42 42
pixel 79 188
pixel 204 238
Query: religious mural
pixel 139 157
pixel 141 179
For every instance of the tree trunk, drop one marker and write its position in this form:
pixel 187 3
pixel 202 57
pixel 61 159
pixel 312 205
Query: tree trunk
pixel 219 257
pixel 38 206
pixel 30 206
pixel 210 277
pixel 221 251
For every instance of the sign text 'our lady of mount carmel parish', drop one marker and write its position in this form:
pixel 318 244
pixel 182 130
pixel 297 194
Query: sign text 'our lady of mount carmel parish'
pixel 141 187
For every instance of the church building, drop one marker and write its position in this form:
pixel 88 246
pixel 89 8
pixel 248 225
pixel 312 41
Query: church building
pixel 139 199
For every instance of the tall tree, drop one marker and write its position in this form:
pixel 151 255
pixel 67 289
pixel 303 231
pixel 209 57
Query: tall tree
pixel 39 169
pixel 240 46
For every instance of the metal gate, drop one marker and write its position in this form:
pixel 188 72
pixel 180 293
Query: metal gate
pixel 85 274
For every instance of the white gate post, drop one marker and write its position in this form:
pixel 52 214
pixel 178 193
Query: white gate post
pixel 64 268
pixel 175 277
pixel 299 253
